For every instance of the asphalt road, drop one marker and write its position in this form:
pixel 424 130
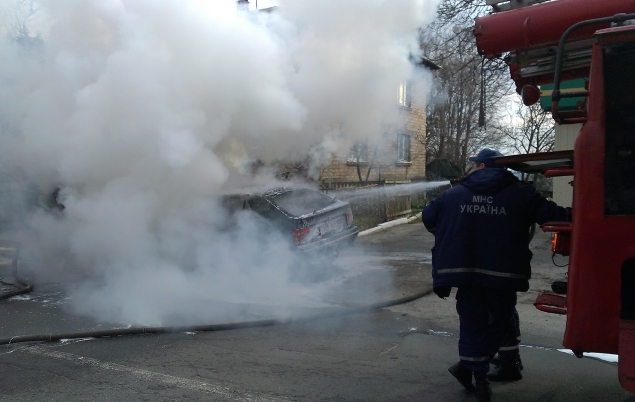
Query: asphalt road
pixel 399 353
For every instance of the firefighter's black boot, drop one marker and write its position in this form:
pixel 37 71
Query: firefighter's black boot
pixel 483 389
pixel 463 375
pixel 508 370
pixel 496 361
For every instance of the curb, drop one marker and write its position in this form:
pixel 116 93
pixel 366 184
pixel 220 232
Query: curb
pixel 389 224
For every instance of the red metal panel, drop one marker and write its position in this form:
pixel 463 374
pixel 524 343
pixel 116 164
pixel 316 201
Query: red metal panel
pixel 592 294
pixel 558 172
pixel 542 24
pixel 600 244
pixel 551 303
pixel 556 227
pixel 626 362
pixel 617 34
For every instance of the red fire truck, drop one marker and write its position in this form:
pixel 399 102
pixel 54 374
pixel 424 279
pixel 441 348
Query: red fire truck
pixel 594 40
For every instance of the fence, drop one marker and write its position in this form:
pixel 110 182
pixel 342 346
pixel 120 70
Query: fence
pixel 372 203
pixel 349 185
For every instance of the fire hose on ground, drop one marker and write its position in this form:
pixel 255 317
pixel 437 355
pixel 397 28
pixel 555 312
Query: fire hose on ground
pixel 28 286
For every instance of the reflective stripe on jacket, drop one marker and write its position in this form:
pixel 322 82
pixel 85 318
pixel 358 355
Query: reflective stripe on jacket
pixel 481 230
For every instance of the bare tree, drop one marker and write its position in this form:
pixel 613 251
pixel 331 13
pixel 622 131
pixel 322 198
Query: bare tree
pixel 529 129
pixel 468 90
pixel 472 93
pixel 359 156
pixel 17 19
pixel 372 156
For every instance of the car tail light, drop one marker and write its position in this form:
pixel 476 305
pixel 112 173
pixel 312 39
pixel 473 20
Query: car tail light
pixel 300 234
pixel 349 218
pixel 560 243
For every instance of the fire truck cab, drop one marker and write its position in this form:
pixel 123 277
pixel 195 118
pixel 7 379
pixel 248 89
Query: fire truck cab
pixel 591 39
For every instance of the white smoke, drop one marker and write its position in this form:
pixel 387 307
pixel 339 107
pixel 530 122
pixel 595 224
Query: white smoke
pixel 142 110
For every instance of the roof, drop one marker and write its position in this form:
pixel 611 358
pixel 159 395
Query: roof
pixel 421 61
pixel 428 64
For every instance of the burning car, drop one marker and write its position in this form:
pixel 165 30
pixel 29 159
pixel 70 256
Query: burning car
pixel 312 221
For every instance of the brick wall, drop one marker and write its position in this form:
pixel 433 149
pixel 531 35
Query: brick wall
pixel 385 166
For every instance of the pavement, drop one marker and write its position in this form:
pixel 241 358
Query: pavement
pixel 399 353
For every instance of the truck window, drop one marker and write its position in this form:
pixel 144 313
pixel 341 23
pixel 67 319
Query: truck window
pixel 619 158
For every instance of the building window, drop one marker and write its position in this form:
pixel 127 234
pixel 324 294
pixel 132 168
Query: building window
pixel 358 153
pixel 403 148
pixel 404 94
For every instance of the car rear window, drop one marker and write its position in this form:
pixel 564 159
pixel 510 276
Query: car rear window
pixel 302 201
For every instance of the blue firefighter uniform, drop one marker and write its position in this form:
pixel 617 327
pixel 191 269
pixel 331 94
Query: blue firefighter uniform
pixel 481 247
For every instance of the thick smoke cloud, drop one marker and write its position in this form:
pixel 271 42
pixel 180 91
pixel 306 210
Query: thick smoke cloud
pixel 144 111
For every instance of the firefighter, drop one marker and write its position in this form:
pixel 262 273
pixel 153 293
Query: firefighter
pixel 481 248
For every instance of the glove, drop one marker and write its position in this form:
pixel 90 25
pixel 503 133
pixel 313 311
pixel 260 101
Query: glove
pixel 443 291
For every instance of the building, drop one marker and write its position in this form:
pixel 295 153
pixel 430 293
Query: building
pixel 399 157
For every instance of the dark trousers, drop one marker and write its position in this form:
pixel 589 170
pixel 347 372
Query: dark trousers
pixel 485 315
pixel 510 345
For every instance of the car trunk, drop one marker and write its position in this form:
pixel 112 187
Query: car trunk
pixel 315 216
